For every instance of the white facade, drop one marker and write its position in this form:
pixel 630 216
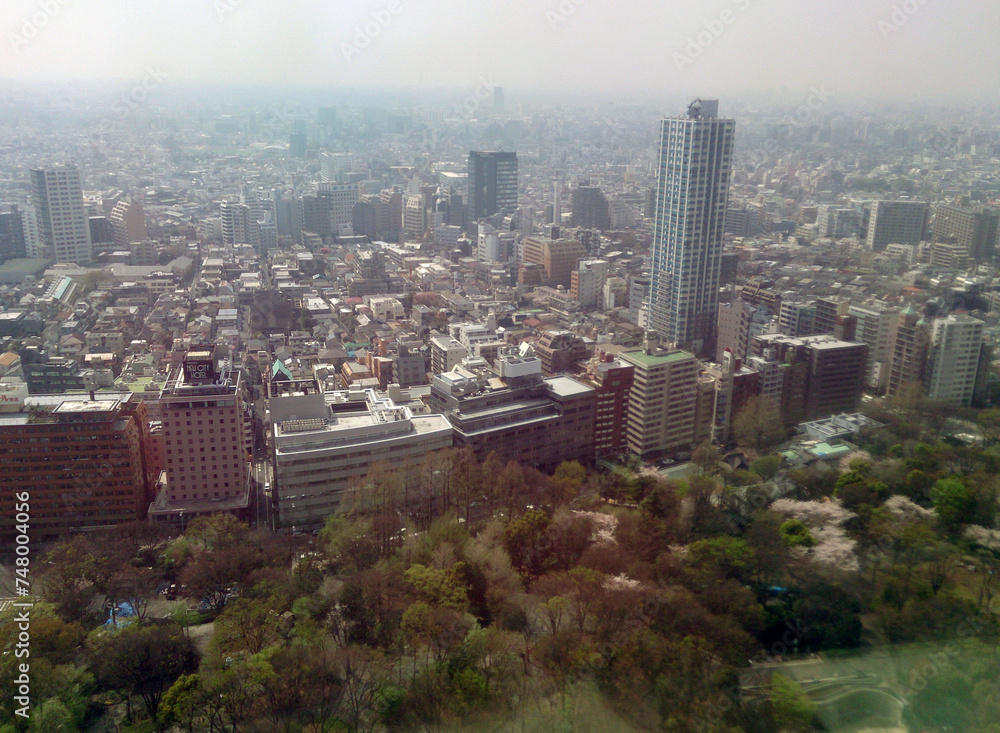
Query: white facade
pixel 64 228
pixel 32 238
pixel 875 328
pixel 386 309
pixel 324 445
pixel 953 361
pixel 342 196
pixel 489 249
pixel 692 195
pixel 590 277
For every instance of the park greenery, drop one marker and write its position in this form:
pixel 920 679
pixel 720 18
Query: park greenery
pixel 471 595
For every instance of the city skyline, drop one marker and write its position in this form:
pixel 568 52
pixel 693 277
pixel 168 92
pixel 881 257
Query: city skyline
pixel 885 50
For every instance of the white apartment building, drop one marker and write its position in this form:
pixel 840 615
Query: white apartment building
pixel 953 359
pixel 324 441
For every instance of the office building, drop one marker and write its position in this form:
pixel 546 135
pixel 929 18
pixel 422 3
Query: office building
pixel 797 319
pixel 875 329
pixel 692 196
pixel 340 198
pixel 974 230
pixel 839 222
pixel 738 323
pixel 325 443
pixel 518 414
pixel 560 351
pixel 102 237
pixel 953 359
pixel 587 282
pixel 12 242
pixel 128 224
pixel 611 380
pixel 52 375
pixel 590 208
pixel 735 385
pixel 742 221
pixel 638 293
pixel 64 229
pixel 81 461
pixel 825 376
pixel 910 341
pixel 492 185
pixel 206 450
pixel 557 257
pixel 896 222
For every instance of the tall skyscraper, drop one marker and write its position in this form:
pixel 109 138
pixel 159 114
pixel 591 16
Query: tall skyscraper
pixel 896 222
pixel 492 183
pixel 692 196
pixel 64 227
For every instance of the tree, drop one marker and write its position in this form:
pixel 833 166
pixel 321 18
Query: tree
pixel 248 625
pixel 568 479
pixel 141 660
pixel 727 556
pixel 758 426
pixel 134 586
pixel 707 457
pixel 348 543
pixel 66 582
pixel 214 577
pixel 527 542
pixel 953 501
pixel 217 531
pixel 766 466
pixel 791 707
pixel 989 425
pixel 795 534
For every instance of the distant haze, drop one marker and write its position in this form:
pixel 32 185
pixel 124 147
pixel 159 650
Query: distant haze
pixel 934 49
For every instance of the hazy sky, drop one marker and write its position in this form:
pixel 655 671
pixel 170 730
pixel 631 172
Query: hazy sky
pixel 946 49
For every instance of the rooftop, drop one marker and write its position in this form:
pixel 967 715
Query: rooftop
pixel 654 360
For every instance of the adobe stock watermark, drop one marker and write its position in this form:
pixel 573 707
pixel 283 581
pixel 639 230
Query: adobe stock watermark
pixel 901 14
pixel 33 24
pixel 805 115
pixel 224 7
pixel 562 12
pixel 471 103
pixel 366 33
pixel 464 110
pixel 22 608
pixel 712 31
pixel 139 94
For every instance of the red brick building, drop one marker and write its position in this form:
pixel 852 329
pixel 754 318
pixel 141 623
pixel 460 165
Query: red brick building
pixel 612 381
pixel 81 462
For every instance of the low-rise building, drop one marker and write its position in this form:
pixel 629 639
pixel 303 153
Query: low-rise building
pixel 325 442
pixel 517 413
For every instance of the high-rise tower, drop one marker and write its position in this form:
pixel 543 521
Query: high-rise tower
pixel 692 194
pixel 64 228
pixel 492 183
